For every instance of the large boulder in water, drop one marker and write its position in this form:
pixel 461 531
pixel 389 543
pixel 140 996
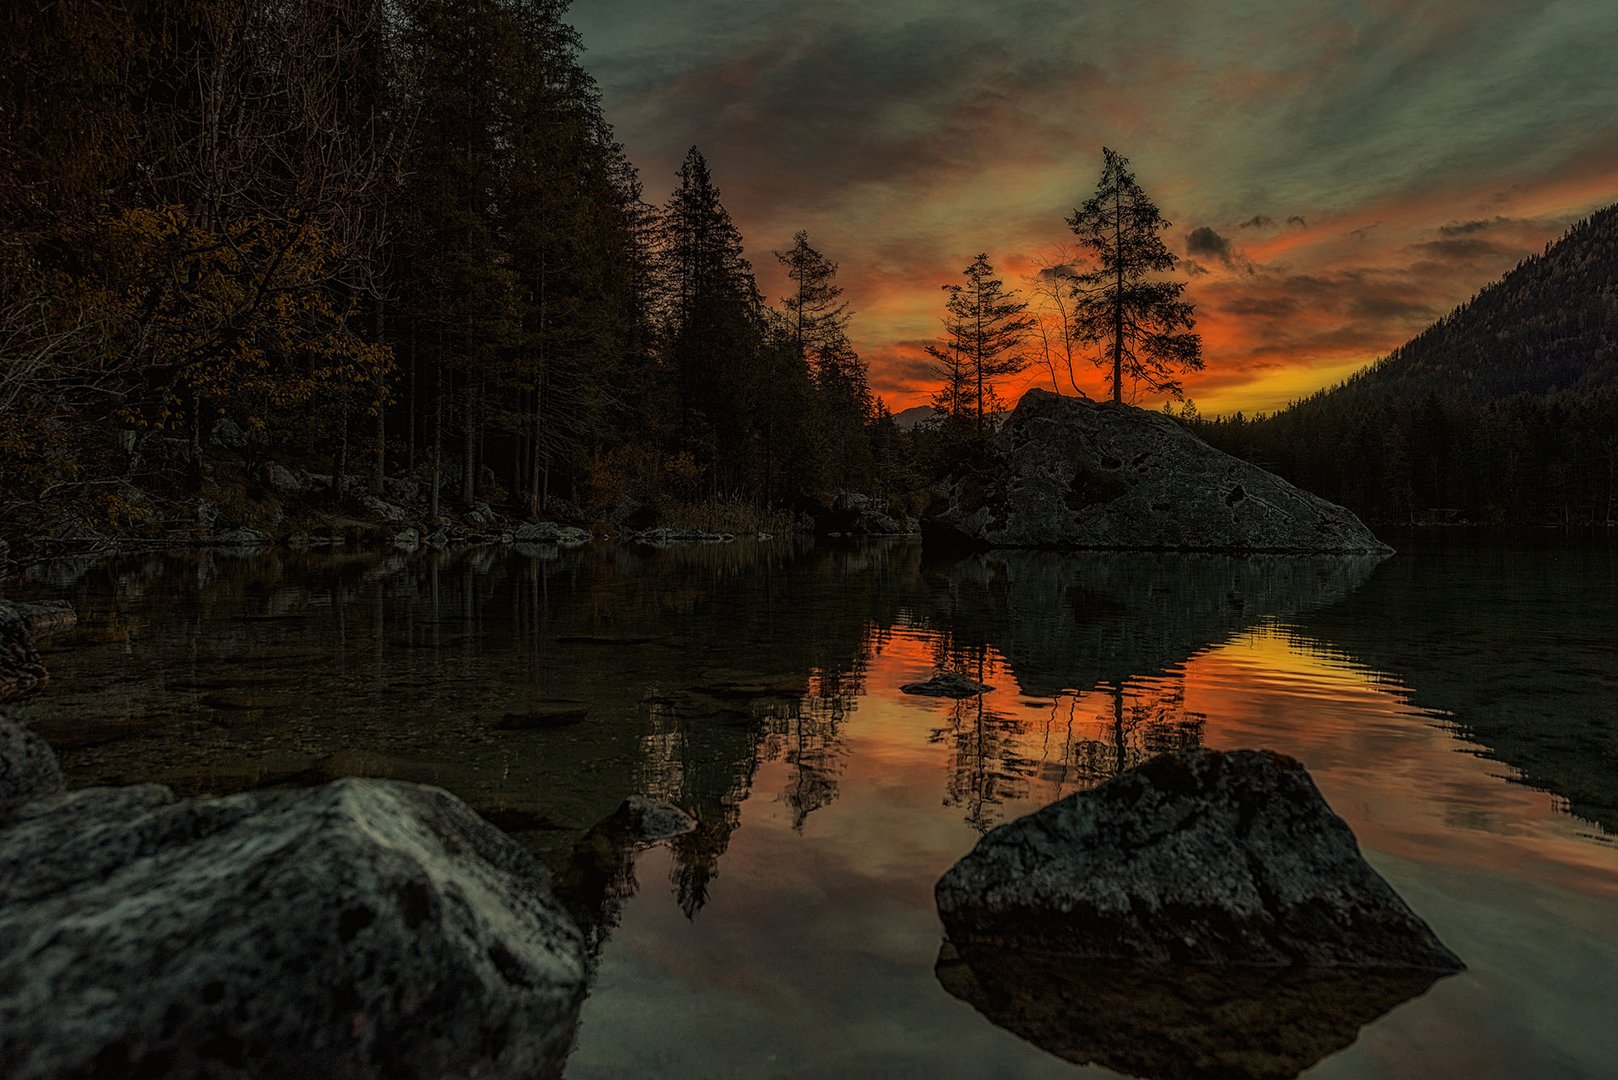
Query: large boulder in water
pixel 1199 857
pixel 361 929
pixel 1074 473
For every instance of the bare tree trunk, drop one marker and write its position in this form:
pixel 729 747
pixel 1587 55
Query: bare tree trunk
pixel 536 497
pixel 339 468
pixel 410 451
pixel 381 413
pixel 469 445
pixel 194 467
pixel 438 439
pixel 1118 306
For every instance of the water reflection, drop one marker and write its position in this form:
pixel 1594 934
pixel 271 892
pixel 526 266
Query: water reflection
pixel 755 687
pixel 1172 1023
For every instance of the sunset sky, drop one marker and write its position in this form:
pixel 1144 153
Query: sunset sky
pixel 1337 174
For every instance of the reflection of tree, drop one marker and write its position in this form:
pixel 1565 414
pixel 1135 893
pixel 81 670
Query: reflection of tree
pixel 1079 749
pixel 987 763
pixel 1133 731
pixel 808 737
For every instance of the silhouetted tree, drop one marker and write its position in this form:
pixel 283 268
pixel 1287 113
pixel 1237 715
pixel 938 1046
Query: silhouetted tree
pixel 1141 322
pixel 985 327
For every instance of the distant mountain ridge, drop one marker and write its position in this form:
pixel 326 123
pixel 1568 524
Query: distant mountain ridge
pixel 1549 324
pixel 1504 411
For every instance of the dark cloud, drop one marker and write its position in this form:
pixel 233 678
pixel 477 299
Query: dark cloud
pixel 1466 228
pixel 1390 308
pixel 908 136
pixel 1465 248
pixel 1262 307
pixel 1204 241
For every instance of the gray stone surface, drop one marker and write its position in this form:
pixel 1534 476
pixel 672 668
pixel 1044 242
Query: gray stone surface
pixel 1200 857
pixel 28 768
pixel 243 537
pixel 382 508
pixel 548 532
pixel 284 479
pixel 1073 473
pixel 363 929
pixel 21 673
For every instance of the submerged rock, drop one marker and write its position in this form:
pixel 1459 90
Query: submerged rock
pixel 21 672
pixel 363 929
pixel 28 767
pixel 1198 857
pixel 647 820
pixel 1074 473
pixel 950 684
pixel 1168 1023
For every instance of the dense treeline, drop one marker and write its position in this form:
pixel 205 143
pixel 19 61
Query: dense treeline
pixel 1503 412
pixel 386 240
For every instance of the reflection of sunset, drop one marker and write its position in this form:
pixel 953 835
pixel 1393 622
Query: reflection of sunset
pixel 1400 777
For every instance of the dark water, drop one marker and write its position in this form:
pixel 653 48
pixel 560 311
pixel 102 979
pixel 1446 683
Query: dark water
pixel 1458 706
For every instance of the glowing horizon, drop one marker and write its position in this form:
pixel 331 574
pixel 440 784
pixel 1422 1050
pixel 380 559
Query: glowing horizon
pixel 1338 178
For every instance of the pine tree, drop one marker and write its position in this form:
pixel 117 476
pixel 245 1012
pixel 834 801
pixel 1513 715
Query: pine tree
pixel 713 327
pixel 1140 321
pixel 817 317
pixel 985 326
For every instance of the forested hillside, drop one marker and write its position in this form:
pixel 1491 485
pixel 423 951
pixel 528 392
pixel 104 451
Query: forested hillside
pixel 389 244
pixel 1504 411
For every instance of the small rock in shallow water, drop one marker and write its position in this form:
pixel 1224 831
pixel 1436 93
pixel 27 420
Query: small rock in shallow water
pixel 648 820
pixel 950 684
pixel 362 929
pixel 1198 857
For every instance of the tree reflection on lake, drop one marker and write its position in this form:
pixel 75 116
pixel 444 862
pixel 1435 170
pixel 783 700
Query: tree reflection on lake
pixel 755 686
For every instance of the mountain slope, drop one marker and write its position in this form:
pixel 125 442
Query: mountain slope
pixel 1550 324
pixel 1505 411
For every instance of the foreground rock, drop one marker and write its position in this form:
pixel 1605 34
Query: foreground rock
pixel 362 929
pixel 1199 857
pixel 950 684
pixel 1073 473
pixel 21 673
pixel 1165 1022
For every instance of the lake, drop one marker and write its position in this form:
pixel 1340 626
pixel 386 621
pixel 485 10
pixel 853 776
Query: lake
pixel 1457 704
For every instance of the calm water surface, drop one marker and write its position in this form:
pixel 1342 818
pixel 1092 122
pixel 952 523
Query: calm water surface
pixel 1458 706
